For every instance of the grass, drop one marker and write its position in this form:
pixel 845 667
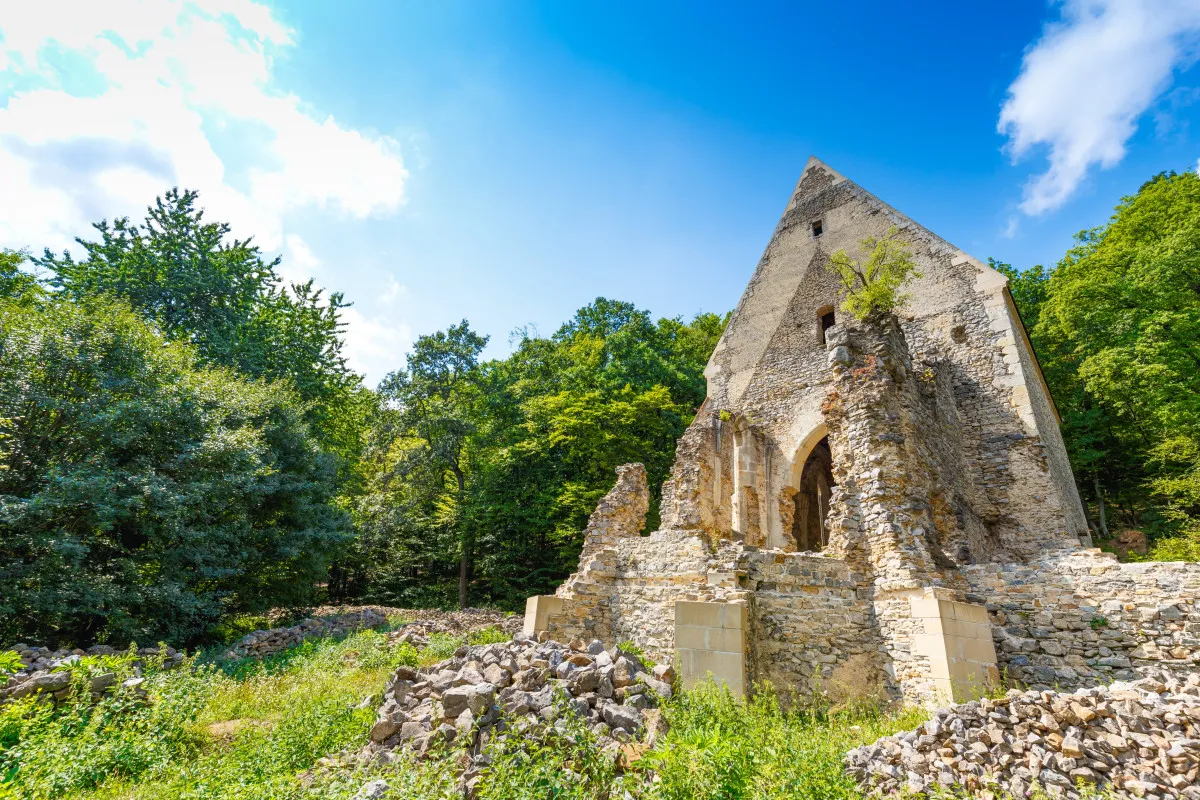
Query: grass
pixel 259 731
pixel 719 748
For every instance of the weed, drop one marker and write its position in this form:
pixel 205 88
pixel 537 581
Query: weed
pixel 10 661
pixel 256 730
pixel 488 635
pixel 631 648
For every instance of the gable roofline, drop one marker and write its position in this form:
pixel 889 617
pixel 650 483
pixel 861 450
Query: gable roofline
pixel 986 276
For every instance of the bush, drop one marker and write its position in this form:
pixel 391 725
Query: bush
pixel 142 496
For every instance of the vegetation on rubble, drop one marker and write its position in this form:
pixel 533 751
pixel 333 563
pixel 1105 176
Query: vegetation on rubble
pixel 215 730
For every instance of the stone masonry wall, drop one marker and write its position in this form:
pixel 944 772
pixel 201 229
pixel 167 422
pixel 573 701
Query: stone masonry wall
pixel 1081 618
pixel 627 592
pixel 1012 485
pixel 810 630
pixel 627 584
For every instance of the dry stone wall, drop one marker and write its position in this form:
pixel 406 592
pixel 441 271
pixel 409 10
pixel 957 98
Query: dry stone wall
pixel 1078 618
pixel 259 644
pixel 47 673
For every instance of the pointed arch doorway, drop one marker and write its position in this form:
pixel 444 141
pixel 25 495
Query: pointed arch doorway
pixel 812 479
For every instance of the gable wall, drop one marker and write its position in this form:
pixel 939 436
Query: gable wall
pixel 771 367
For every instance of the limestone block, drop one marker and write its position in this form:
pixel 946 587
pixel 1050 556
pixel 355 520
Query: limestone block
pixel 955 641
pixel 710 640
pixel 538 610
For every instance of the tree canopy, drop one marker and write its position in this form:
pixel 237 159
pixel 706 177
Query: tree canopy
pixel 1116 325
pixel 481 476
pixel 143 494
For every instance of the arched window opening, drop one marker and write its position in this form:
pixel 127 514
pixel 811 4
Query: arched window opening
pixel 825 321
pixel 811 499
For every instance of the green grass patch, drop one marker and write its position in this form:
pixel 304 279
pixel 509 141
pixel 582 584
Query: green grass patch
pixel 250 730
pixel 720 748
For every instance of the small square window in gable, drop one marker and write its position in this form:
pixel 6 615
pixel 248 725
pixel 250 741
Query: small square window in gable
pixel 818 228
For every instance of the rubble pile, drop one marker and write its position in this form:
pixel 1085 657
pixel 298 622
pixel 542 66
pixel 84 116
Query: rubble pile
pixel 47 672
pixel 1140 739
pixel 263 643
pixel 485 690
pixel 426 622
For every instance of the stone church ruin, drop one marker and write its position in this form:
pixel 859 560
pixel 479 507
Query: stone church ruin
pixel 877 508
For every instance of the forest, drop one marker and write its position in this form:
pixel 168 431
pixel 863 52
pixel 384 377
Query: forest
pixel 181 439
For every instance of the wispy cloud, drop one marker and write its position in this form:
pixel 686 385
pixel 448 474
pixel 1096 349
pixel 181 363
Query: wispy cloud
pixel 1011 226
pixel 105 105
pixel 395 290
pixel 375 345
pixel 1085 83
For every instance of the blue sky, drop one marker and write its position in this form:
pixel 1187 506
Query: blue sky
pixel 507 162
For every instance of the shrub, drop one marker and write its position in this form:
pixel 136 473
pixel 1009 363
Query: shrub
pixel 873 285
pixel 144 495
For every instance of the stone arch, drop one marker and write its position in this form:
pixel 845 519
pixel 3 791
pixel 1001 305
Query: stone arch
pixel 809 488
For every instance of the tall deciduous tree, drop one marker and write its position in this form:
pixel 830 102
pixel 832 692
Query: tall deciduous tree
pixel 437 394
pixel 199 285
pixel 1116 325
pixel 540 434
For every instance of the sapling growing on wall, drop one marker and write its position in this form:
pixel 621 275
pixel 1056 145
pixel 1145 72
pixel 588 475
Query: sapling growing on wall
pixel 874 283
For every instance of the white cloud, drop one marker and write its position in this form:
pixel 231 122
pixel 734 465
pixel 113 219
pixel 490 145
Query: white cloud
pixel 299 261
pixel 375 346
pixel 105 105
pixel 1011 227
pixel 1086 82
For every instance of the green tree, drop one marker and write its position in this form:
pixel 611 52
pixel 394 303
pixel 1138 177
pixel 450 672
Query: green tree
pixel 142 494
pixel 538 437
pixel 1117 328
pixel 15 283
pixel 436 395
pixel 873 285
pixel 198 285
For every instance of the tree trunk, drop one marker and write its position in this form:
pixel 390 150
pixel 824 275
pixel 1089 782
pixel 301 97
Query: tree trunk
pixel 1100 506
pixel 464 563
pixel 463 566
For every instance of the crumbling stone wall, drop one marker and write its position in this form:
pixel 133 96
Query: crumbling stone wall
pixel 770 366
pixel 1079 618
pixel 697 495
pixel 811 632
pixel 952 483
pixel 627 584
